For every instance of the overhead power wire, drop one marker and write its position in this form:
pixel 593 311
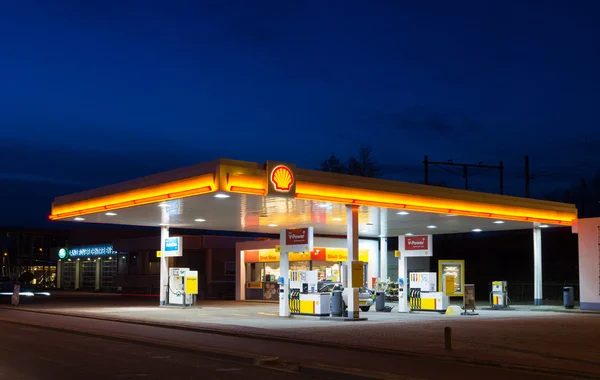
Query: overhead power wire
pixel 448 170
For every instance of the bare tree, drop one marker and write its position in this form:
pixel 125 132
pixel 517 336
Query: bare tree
pixel 364 164
pixel 333 165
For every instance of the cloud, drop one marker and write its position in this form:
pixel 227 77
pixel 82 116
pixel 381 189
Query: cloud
pixel 426 119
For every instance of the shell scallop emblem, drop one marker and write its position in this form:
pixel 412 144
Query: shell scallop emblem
pixel 282 178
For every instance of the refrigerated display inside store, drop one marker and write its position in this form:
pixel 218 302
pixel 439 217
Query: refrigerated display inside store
pixel 328 271
pixel 262 268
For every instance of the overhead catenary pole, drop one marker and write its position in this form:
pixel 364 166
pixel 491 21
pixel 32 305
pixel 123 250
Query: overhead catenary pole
pixel 465 173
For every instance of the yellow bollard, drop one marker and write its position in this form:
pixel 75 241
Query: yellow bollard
pixel 448 337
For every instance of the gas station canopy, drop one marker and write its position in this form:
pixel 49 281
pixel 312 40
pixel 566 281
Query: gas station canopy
pixel 252 197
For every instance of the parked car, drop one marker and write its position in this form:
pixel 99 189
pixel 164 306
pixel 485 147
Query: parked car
pixel 365 296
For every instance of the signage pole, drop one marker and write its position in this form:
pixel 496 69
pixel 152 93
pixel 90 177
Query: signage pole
pixel 284 269
pixel 410 246
pixel 402 288
pixel 284 286
pixel 291 240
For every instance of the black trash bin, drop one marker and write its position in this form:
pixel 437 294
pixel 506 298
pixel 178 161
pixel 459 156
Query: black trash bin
pixel 379 301
pixel 337 303
pixel 568 297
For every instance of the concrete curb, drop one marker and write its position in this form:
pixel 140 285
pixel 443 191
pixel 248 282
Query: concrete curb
pixel 322 344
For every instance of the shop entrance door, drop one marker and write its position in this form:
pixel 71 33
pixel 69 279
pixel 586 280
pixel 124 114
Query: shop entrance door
pixel 108 273
pixel 68 275
pixel 88 274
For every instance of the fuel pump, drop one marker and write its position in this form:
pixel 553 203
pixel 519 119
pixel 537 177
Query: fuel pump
pixel 177 294
pixel 499 295
pixel 304 296
pixel 423 295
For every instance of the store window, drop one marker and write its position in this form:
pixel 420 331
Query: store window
pixel 88 274
pixel 328 271
pixel 270 272
pixel 109 272
pixel 300 265
pixel 68 276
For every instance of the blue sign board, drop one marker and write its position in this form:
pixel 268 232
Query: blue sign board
pixel 93 250
pixel 172 244
pixel 173 247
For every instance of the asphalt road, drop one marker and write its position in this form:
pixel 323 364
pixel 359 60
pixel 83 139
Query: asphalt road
pixel 29 353
pixel 39 353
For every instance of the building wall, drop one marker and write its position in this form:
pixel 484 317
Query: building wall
pixel 588 231
pixel 209 255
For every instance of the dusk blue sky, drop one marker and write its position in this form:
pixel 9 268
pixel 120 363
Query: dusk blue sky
pixel 95 92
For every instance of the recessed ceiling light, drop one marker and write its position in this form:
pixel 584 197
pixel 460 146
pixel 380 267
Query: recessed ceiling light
pixel 337 219
pixel 431 227
pixel 199 220
pixel 408 234
pixel 499 222
pixel 451 215
pixel 221 195
pixel 323 205
pixel 110 214
pixel 79 219
pixel 544 226
pixel 402 213
pixel 272 225
pixel 477 230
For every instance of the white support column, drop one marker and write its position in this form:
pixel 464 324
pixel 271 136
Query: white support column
pixel 284 289
pixel 383 258
pixel 537 265
pixel 403 306
pixel 352 236
pixel 164 266
pixel 98 273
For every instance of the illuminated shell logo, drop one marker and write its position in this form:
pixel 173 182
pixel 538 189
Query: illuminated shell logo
pixel 282 178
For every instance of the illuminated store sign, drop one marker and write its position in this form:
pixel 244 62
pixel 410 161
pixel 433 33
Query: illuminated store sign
pixel 281 179
pixel 93 250
pixel 63 253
